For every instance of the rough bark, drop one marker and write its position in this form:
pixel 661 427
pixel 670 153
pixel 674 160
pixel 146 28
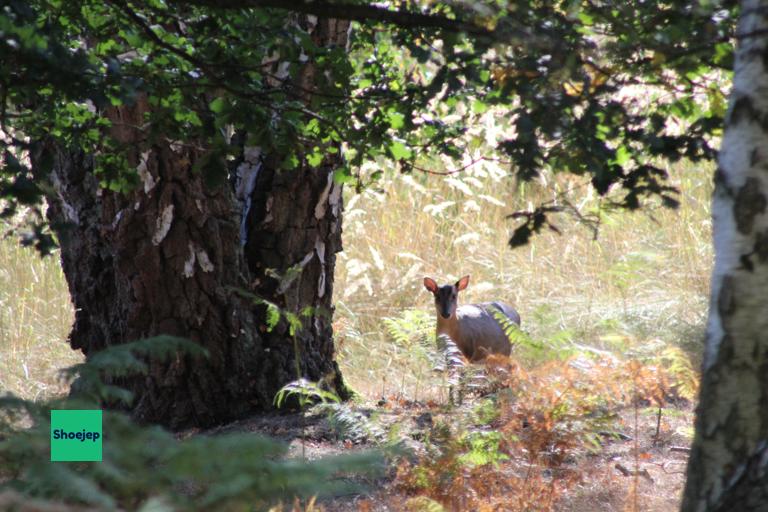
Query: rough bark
pixel 174 256
pixel 727 467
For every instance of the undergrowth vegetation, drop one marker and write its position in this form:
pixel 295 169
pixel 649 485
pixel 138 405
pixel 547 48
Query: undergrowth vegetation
pixel 613 310
pixel 524 445
pixel 147 468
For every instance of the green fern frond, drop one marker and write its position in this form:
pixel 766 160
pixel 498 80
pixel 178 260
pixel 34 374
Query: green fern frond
pixel 412 327
pixel 684 376
pixel 349 423
pixel 516 336
pixel 306 391
pixel 145 466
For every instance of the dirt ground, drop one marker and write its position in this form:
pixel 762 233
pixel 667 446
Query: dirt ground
pixel 633 456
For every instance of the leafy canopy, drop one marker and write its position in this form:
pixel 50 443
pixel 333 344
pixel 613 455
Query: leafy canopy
pixel 600 89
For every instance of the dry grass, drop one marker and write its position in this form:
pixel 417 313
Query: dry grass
pixel 642 283
pixel 637 295
pixel 35 318
pixel 644 280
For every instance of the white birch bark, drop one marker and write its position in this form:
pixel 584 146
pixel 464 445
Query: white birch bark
pixel 727 468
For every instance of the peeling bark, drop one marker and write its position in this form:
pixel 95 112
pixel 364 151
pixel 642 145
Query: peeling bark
pixel 170 257
pixel 729 457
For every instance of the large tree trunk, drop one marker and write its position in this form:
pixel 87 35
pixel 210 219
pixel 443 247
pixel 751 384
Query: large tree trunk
pixel 728 466
pixel 175 256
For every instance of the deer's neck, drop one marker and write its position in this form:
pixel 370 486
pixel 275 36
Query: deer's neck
pixel 449 327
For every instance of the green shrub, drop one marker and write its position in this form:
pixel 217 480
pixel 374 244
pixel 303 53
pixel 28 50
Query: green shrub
pixel 146 467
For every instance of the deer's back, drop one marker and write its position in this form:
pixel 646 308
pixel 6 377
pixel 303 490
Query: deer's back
pixel 481 333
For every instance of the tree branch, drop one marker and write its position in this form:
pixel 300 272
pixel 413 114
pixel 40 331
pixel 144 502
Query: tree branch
pixel 355 12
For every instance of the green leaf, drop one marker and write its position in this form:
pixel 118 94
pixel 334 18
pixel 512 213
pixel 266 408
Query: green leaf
pixel 217 105
pixel 622 155
pixel 315 158
pixel 342 176
pixel 273 316
pixel 396 119
pixel 479 107
pixel 290 162
pixel 585 18
pixel 399 151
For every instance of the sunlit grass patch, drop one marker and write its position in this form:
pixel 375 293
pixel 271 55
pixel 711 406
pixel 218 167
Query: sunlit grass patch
pixel 644 277
pixel 35 318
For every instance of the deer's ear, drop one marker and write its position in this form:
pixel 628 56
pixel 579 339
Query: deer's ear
pixel 462 283
pixel 430 284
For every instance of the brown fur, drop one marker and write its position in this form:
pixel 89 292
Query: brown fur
pixel 472 327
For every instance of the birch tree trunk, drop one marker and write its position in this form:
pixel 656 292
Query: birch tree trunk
pixel 729 458
pixel 174 256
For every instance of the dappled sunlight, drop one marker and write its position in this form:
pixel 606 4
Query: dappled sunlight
pixel 644 278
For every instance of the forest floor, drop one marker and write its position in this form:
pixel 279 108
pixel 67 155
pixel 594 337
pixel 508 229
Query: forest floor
pixel 637 464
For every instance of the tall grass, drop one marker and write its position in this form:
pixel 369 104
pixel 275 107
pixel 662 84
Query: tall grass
pixel 35 318
pixel 643 281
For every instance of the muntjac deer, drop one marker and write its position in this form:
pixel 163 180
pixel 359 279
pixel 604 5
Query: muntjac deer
pixel 472 327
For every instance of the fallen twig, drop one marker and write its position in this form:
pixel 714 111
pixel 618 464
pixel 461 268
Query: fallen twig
pixel 628 472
